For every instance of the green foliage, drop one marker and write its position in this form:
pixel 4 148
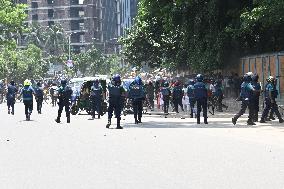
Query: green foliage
pixel 203 35
pixel 11 20
pixel 22 64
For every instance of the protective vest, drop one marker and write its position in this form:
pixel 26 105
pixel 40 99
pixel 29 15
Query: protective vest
pixel 96 91
pixel 27 93
pixel 200 90
pixel 114 90
pixel 65 93
pixel 177 93
pixel 246 92
pixel 11 93
pixel 136 92
pixel 165 91
pixel 190 92
pixel 39 92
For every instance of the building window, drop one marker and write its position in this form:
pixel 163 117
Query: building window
pixel 81 25
pixel 50 23
pixel 34 5
pixel 35 17
pixel 81 13
pixel 50 13
pixel 50 2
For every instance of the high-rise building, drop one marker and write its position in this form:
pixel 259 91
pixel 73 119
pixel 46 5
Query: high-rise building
pixel 128 12
pixel 79 18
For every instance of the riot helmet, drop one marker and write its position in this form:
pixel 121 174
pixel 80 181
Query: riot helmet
pixel 199 77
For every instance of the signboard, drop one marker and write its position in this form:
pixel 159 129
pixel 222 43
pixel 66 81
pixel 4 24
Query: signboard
pixel 69 63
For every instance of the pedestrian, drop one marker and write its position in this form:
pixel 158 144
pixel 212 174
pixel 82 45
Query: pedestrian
pixel 191 96
pixel 246 96
pixel 150 91
pixel 137 95
pixel 255 96
pixel 116 92
pixel 27 94
pixel 11 97
pixel 270 100
pixel 96 98
pixel 219 95
pixel 201 97
pixel 177 96
pixel 166 93
pixel 39 96
pixel 64 97
pixel 53 91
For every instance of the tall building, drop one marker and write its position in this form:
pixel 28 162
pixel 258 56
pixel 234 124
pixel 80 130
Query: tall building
pixel 128 12
pixel 79 18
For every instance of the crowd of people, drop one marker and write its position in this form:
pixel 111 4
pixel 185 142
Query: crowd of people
pixel 194 96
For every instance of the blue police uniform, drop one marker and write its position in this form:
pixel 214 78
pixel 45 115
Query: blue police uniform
pixel 201 96
pixel 255 100
pixel 270 103
pixel 64 97
pixel 116 92
pixel 191 97
pixel 27 93
pixel 137 95
pixel 246 97
pixel 39 98
pixel 219 95
pixel 166 92
pixel 11 98
pixel 96 98
pixel 177 97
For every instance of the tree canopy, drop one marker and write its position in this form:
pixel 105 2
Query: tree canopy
pixel 203 35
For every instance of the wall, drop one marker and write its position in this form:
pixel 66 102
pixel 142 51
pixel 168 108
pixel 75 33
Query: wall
pixel 265 65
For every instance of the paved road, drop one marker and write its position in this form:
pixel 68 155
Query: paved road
pixel 166 153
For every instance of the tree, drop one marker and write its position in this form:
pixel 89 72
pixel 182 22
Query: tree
pixel 11 21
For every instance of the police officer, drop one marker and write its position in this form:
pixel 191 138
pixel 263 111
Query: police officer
pixel 137 95
pixel 177 96
pixel 255 96
pixel 96 98
pixel 191 96
pixel 246 97
pixel 166 92
pixel 116 92
pixel 27 93
pixel 39 96
pixel 270 100
pixel 200 92
pixel 64 97
pixel 11 97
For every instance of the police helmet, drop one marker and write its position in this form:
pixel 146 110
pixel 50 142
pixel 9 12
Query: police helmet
pixel 270 79
pixel 96 81
pixel 138 80
pixel 199 77
pixel 38 84
pixel 116 78
pixel 12 82
pixel 247 78
pixel 63 82
pixel 191 82
pixel 255 77
pixel 250 74
pixel 27 82
pixel 166 84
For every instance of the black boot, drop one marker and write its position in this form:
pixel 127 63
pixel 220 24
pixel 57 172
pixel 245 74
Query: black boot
pixel 262 120
pixel 118 124
pixel 198 120
pixel 205 121
pixel 250 122
pixel 27 117
pixel 139 120
pixel 68 119
pixel 234 121
pixel 57 120
pixel 281 120
pixel 108 123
